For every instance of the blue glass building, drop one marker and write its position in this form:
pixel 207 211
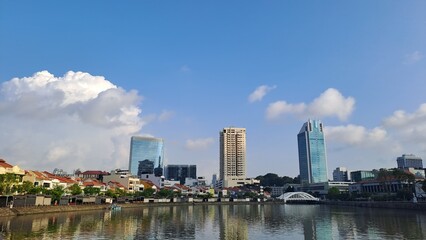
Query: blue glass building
pixel 312 154
pixel 146 153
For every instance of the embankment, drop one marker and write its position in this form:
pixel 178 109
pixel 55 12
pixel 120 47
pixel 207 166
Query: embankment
pixel 19 211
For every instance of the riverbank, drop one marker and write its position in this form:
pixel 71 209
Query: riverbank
pixel 21 211
pixel 372 204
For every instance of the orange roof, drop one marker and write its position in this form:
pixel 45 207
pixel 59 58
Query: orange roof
pixel 93 183
pixel 183 187
pixel 4 164
pixel 116 184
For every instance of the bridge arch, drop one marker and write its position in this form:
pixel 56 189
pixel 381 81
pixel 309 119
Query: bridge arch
pixel 298 197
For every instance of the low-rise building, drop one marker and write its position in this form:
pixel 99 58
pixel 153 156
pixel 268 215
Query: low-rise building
pixel 362 175
pixel 321 189
pixel 131 183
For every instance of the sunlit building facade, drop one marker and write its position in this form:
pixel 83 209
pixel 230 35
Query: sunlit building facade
pixel 312 153
pixel 409 161
pixel 232 155
pixel 146 148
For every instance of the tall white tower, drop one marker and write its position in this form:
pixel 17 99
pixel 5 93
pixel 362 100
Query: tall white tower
pixel 232 153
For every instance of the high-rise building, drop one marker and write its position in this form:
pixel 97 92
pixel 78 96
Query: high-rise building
pixel 232 154
pixel 312 153
pixel 146 148
pixel 409 161
pixel 340 174
pixel 145 167
pixel 180 172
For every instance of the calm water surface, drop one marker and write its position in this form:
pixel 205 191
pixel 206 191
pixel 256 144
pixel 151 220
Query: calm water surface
pixel 222 222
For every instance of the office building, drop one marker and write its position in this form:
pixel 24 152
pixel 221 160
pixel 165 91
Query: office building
pixel 341 174
pixel 145 167
pixel 232 155
pixel 409 161
pixel 312 153
pixel 180 172
pixel 146 152
pixel 360 175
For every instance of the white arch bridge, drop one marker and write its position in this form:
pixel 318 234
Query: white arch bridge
pixel 298 197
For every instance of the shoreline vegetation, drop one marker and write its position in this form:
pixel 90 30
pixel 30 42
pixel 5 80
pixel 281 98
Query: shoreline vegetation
pixel 23 211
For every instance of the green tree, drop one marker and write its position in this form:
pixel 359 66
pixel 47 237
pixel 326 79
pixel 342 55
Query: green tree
pixel 75 189
pixel 36 190
pixel 165 193
pixel 56 193
pixel 92 191
pixel 333 193
pixel 7 181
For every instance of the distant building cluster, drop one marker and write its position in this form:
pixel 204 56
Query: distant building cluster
pixel 146 170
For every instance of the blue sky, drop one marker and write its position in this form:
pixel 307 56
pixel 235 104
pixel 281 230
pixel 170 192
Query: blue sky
pixel 183 70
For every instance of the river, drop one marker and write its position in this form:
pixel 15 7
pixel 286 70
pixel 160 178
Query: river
pixel 269 221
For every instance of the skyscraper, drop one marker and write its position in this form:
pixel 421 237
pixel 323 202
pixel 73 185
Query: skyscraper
pixel 180 172
pixel 232 153
pixel 312 154
pixel 146 148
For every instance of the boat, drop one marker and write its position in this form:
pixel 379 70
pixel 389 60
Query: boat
pixel 115 207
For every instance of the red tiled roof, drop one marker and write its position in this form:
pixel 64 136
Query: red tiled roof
pixel 4 164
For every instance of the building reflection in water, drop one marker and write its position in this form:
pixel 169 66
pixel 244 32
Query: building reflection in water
pixel 221 222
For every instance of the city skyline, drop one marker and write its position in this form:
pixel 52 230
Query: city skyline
pixel 73 90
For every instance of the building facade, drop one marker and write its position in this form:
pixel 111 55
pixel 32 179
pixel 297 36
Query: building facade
pixel 341 174
pixel 312 153
pixel 180 172
pixel 146 148
pixel 409 161
pixel 361 175
pixel 232 153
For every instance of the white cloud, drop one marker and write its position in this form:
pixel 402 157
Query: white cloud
pixel 259 93
pixel 74 121
pixel 413 57
pixel 165 115
pixel 331 103
pixel 279 108
pixel 410 127
pixel 400 133
pixel 200 143
pixel 355 135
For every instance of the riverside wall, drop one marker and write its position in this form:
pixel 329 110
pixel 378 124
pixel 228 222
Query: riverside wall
pixel 21 211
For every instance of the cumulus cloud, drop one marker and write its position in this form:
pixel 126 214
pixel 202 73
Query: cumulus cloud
pixel 74 121
pixel 402 132
pixel 355 134
pixel 331 103
pixel 410 126
pixel 413 57
pixel 200 143
pixel 279 108
pixel 259 93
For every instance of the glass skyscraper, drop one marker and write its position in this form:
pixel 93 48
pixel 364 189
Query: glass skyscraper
pixel 144 149
pixel 312 154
